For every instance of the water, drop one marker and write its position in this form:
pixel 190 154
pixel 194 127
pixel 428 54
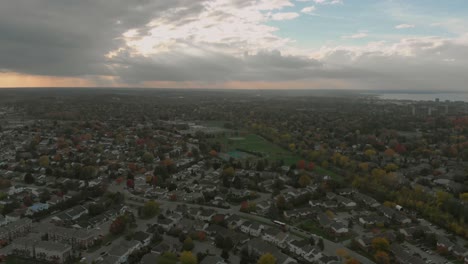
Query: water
pixel 425 96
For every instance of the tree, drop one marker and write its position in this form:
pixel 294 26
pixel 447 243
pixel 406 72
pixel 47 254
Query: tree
pixel 320 244
pixel 219 241
pixel 27 200
pixel 381 257
pixel 464 197
pixel 118 226
pixel 225 254
pixel 304 180
pixel 130 184
pixel 44 196
pixel 380 244
pixel 28 178
pixel 147 157
pixel 228 244
pixel 267 259
pixel 301 165
pixel 167 258
pixel 342 252
pixel 187 257
pixel 44 161
pixel 150 209
pixel 281 202
pixel 188 244
pixel 389 152
pixel 352 261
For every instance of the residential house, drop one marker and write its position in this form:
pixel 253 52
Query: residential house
pixel 444 244
pixel 253 229
pixel 403 257
pixel 345 202
pixel 258 247
pixel 234 221
pixel 166 224
pixel 122 250
pixel 206 215
pixel 53 251
pixel 338 229
pixel 37 207
pixel 372 220
pixel 19 228
pixel 143 237
pixel 71 214
pixel 275 236
pixel 213 260
pixel 366 200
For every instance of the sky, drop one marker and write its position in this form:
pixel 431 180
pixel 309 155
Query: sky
pixel 239 44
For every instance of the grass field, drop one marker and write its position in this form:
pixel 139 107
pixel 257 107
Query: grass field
pixel 269 150
pixel 255 143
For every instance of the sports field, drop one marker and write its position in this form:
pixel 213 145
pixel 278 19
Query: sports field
pixel 257 144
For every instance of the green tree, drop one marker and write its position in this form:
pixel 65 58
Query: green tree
pixel 267 259
pixel 28 178
pixel 150 209
pixel 147 157
pixel 187 257
pixel 281 202
pixel 188 244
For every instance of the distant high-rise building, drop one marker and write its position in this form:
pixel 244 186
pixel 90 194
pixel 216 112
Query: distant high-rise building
pixel 437 100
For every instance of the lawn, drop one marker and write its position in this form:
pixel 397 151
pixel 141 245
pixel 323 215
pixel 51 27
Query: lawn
pixel 312 227
pixel 257 144
pixel 269 150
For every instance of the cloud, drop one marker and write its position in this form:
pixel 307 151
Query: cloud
pixel 328 2
pixel 208 43
pixel 284 16
pixel 404 26
pixel 308 9
pixel 359 35
pixel 412 63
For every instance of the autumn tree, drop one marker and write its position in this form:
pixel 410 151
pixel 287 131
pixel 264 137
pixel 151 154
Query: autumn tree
pixel 389 152
pixel 44 161
pixel 382 257
pixel 187 257
pixel 352 261
pixel 267 259
pixel 380 244
pixel 130 184
pixel 464 197
pixel 118 226
pixel 304 180
pixel 301 165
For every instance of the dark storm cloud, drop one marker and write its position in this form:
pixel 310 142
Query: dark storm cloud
pixel 68 37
